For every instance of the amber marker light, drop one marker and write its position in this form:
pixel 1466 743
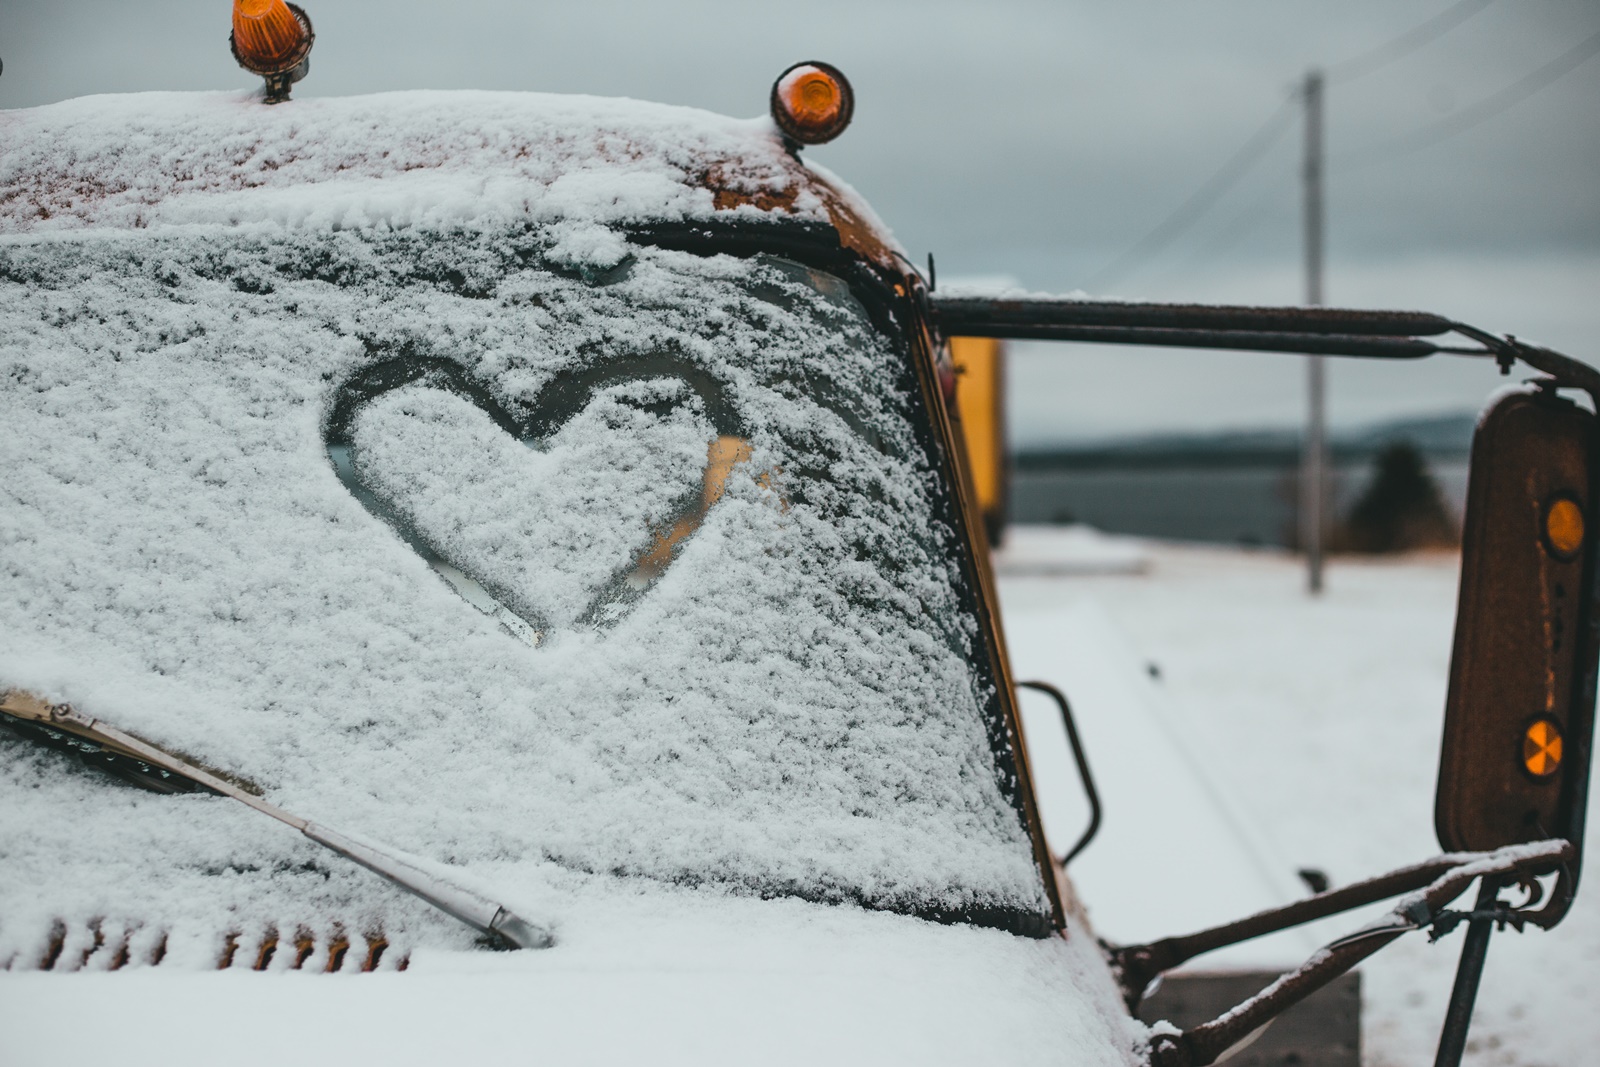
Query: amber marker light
pixel 812 103
pixel 1563 527
pixel 1541 748
pixel 273 39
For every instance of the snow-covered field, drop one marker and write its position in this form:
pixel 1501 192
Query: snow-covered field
pixel 1311 729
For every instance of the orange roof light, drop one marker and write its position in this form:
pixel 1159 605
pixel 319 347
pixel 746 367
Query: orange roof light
pixel 273 39
pixel 812 103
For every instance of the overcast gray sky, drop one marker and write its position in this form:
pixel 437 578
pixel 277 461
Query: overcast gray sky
pixel 1043 140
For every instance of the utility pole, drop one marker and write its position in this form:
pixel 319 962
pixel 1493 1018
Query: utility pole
pixel 1314 456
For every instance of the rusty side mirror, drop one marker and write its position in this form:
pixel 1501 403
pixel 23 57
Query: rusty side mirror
pixel 1519 718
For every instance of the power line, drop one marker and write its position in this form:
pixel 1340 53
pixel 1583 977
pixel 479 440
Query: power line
pixel 1408 42
pixel 1223 238
pixel 1191 209
pixel 1489 107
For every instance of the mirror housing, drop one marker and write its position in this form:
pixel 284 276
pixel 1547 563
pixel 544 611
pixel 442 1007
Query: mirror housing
pixel 1519 717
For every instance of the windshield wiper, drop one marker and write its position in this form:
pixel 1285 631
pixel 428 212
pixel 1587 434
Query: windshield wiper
pixel 503 927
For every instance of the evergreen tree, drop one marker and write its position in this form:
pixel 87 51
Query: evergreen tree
pixel 1402 507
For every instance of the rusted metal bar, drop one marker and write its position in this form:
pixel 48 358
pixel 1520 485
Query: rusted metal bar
pixel 1082 759
pixel 1566 370
pixel 980 316
pixel 1475 949
pixel 1202 1045
pixel 1241 340
pixel 1137 965
pixel 1307 330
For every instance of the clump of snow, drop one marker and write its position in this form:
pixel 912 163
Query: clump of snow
pixel 1004 288
pixel 788 709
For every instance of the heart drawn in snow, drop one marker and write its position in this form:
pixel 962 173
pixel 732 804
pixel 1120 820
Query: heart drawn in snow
pixel 553 514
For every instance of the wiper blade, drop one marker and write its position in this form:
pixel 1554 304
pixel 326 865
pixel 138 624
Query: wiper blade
pixel 422 879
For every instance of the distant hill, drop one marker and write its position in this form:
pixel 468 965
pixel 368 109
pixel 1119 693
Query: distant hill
pixel 1443 435
pixel 1436 436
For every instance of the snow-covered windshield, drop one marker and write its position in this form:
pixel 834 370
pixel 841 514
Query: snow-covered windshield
pixel 639 572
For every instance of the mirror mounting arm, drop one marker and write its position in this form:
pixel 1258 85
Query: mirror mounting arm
pixel 1294 330
pixel 1432 886
pixel 1567 372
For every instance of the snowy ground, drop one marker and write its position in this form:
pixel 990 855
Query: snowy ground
pixel 1317 722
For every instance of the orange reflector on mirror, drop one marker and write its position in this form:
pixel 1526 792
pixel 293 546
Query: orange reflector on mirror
pixel 1563 527
pixel 812 102
pixel 1541 748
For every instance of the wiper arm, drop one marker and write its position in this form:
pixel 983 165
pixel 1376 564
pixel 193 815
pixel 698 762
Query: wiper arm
pixel 494 920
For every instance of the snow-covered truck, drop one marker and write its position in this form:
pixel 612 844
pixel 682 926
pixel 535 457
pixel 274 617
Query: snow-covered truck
pixel 555 510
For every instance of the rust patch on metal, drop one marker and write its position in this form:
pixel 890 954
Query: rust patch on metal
pixel 336 953
pixel 94 946
pixel 57 942
pixel 304 945
pixel 268 949
pixel 159 953
pixel 230 946
pixel 856 231
pixel 761 200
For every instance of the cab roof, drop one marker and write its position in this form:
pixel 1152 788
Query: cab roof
pixel 577 165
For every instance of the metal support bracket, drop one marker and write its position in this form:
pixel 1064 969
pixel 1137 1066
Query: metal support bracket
pixel 1451 876
pixel 1082 759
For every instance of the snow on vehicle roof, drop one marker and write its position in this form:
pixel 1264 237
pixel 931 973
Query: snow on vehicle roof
pixel 459 158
